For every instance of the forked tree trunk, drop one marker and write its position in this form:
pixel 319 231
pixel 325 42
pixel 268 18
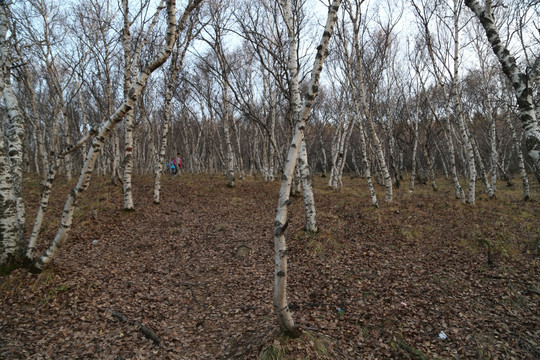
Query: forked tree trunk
pixel 300 115
pixel 46 192
pixel 460 194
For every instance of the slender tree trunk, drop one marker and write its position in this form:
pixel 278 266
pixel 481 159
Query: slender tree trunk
pixel 324 160
pixel 128 120
pixel 228 141
pixel 431 171
pixel 519 154
pixel 414 151
pixel 365 162
pixel 300 115
pixel 458 110
pixel 309 200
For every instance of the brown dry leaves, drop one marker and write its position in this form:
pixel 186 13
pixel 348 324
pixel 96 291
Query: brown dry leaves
pixel 198 270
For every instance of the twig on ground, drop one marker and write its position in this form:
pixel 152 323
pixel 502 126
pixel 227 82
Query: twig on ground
pixel 149 333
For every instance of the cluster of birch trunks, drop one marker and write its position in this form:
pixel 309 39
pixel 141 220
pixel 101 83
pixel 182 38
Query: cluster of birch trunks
pixel 276 89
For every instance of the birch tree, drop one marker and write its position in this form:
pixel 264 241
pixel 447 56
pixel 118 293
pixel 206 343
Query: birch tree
pixel 12 210
pixel 177 60
pixel 522 81
pixel 300 114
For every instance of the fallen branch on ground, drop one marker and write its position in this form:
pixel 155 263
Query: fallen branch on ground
pixel 149 333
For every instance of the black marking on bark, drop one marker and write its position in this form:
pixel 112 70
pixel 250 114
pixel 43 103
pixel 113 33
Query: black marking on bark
pixel 280 273
pixel 279 229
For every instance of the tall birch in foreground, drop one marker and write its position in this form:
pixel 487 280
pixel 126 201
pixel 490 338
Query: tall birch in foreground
pixel 107 127
pixel 300 115
pixel 12 211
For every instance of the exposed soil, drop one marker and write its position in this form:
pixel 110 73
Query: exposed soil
pixel 198 271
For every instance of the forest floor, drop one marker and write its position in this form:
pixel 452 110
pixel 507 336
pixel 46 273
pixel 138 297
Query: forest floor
pixel 198 271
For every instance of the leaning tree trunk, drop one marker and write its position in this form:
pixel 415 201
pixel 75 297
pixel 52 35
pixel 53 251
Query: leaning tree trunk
pixel 521 82
pixel 46 192
pixel 105 130
pixel 300 115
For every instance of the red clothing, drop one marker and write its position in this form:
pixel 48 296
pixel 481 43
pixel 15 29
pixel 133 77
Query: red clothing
pixel 177 162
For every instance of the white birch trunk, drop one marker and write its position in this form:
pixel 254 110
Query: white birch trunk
pixel 272 135
pixel 460 194
pixel 494 153
pixel 482 169
pixel 12 211
pixel 309 199
pixel 414 153
pixel 300 115
pixel 520 81
pixel 10 245
pixel 519 154
pixel 227 134
pixel 128 161
pixel 128 120
pixel 458 111
pixel 176 64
